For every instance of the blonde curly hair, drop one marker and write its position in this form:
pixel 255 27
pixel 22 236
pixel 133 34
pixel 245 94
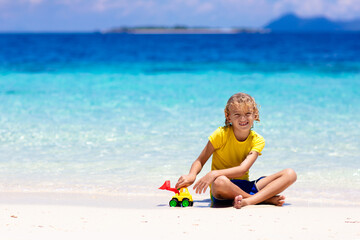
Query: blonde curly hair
pixel 241 100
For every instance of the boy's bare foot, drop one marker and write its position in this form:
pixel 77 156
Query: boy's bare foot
pixel 239 202
pixel 277 200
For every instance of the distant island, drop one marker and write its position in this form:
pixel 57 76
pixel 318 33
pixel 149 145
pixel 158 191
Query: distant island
pixel 182 30
pixel 294 23
pixel 286 23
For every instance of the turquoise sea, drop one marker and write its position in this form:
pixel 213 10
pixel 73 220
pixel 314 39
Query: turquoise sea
pixel 122 113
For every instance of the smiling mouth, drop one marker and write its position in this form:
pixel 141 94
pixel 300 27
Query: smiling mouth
pixel 243 124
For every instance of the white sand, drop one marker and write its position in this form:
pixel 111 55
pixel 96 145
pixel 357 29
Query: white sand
pixel 62 216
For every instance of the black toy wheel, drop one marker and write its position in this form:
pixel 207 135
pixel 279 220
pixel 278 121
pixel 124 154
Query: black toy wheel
pixel 185 202
pixel 173 202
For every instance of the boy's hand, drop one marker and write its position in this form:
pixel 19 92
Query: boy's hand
pixel 201 185
pixel 185 181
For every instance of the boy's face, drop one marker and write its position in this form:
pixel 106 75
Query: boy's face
pixel 241 117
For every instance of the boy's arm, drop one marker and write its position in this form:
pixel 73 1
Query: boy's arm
pixel 240 170
pixel 233 172
pixel 187 180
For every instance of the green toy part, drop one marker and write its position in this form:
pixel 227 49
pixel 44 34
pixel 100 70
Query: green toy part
pixel 173 202
pixel 185 202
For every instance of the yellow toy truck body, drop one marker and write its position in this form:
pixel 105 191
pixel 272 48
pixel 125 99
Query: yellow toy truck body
pixel 182 199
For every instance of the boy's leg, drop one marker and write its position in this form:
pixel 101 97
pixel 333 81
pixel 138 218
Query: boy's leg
pixel 222 188
pixel 269 187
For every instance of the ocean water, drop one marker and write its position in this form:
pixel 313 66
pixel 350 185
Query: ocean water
pixel 121 114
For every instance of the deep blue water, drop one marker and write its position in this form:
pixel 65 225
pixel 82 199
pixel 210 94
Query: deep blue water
pixel 259 52
pixel 118 112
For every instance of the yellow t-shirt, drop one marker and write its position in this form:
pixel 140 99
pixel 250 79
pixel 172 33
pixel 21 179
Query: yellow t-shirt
pixel 229 152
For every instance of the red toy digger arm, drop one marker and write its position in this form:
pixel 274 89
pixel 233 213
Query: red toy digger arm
pixel 166 186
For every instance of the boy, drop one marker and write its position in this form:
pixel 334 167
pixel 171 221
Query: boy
pixel 235 148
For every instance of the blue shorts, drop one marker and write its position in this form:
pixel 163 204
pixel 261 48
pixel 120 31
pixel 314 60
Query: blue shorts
pixel 246 186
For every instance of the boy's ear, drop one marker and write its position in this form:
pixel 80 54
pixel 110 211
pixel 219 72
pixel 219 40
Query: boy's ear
pixel 227 115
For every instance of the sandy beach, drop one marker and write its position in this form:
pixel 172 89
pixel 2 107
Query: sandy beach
pixel 83 216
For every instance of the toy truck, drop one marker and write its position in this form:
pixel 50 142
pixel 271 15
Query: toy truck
pixel 182 197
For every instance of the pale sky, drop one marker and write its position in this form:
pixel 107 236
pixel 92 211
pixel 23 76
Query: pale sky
pixel 91 15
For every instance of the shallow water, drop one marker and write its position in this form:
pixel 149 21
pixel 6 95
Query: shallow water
pixel 123 113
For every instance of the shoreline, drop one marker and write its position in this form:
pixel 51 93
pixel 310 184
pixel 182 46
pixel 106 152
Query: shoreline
pixel 78 216
pixel 146 201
